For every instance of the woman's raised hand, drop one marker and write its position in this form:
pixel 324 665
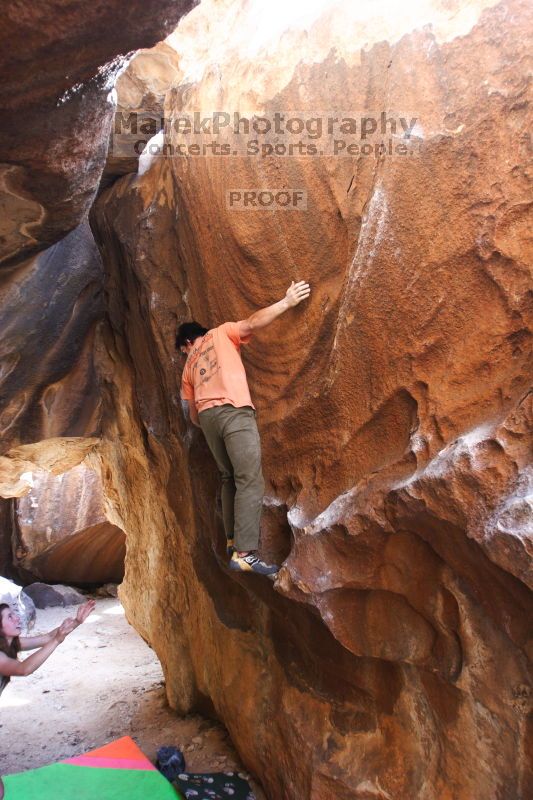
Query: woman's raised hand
pixel 84 611
pixel 70 624
pixel 66 627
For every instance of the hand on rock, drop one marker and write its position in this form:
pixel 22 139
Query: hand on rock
pixel 297 292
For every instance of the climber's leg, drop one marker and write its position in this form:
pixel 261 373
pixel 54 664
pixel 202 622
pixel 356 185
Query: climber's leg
pixel 211 426
pixel 243 446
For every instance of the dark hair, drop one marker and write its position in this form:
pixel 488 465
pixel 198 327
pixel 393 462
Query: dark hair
pixel 189 331
pixel 11 650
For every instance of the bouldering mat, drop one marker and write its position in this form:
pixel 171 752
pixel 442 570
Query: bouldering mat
pixel 117 771
pixel 213 786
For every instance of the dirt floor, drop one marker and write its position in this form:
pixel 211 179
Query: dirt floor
pixel 103 682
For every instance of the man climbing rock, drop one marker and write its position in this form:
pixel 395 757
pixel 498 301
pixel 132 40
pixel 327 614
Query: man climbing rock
pixel 216 391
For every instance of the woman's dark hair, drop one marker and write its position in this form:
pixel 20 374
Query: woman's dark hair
pixel 189 331
pixel 11 650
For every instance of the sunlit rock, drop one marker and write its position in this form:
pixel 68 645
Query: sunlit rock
pixel 139 114
pixel 62 532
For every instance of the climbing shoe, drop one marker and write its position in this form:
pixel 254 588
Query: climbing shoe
pixel 230 546
pixel 251 563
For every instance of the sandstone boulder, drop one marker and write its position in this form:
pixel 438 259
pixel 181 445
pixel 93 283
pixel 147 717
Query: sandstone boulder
pixel 139 113
pixel 107 590
pixel 62 532
pixel 392 654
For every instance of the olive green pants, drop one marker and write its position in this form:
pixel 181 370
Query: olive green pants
pixel 233 438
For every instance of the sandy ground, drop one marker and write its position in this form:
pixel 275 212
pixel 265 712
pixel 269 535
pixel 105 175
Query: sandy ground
pixel 103 682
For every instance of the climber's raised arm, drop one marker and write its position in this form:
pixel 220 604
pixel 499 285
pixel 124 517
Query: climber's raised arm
pixel 260 319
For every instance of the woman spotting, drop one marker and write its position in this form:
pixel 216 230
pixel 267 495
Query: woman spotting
pixel 11 643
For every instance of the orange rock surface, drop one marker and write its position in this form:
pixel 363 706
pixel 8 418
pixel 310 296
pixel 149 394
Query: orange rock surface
pixel 390 659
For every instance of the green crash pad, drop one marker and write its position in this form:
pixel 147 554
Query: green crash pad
pixel 117 771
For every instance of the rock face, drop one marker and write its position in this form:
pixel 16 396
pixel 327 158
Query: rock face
pixel 62 532
pixel 50 410
pixel 6 525
pixel 391 658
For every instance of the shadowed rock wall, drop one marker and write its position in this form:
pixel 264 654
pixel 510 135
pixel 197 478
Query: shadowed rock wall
pixel 390 659
pixel 50 306
pixel 59 63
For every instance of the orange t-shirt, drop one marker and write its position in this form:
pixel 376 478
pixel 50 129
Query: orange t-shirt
pixel 214 373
